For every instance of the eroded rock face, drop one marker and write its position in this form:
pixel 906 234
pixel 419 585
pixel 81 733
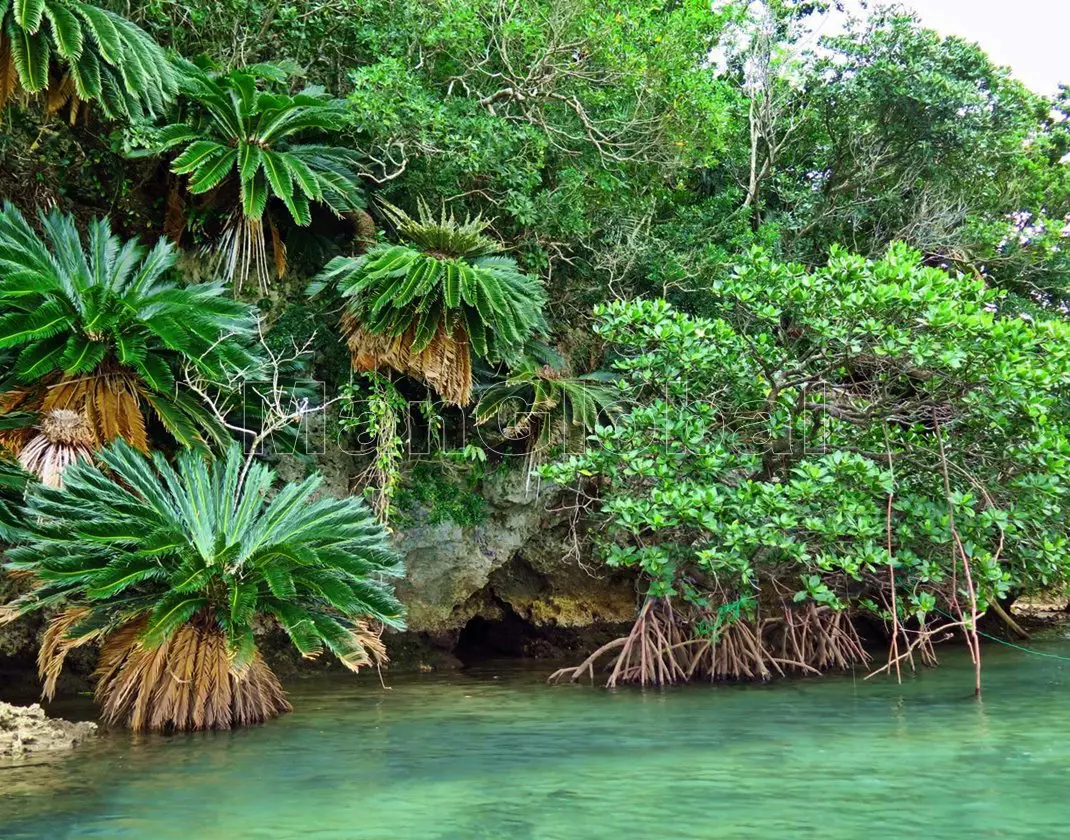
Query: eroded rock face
pixel 26 729
pixel 518 557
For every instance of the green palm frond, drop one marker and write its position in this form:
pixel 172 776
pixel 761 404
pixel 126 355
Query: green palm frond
pixel 243 128
pixel 96 56
pixel 13 482
pixel 544 406
pixel 137 539
pixel 419 307
pixel 74 309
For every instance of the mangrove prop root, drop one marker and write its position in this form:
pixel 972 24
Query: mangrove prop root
pixel 649 654
pixel 661 649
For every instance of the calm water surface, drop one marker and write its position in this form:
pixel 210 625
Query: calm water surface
pixel 495 753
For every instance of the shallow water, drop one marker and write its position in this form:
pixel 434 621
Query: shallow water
pixel 495 753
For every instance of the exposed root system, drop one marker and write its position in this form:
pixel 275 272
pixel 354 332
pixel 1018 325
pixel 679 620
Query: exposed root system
pixel 662 649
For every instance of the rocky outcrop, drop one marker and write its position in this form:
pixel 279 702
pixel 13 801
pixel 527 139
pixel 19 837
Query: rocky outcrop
pixel 25 730
pixel 518 559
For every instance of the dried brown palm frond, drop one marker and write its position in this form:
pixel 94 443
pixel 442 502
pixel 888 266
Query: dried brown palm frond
pixel 363 227
pixel 63 437
pixel 174 220
pixel 278 249
pixel 57 643
pixel 445 364
pixel 62 92
pixel 109 400
pixel 9 77
pixel 370 649
pixel 186 683
pixel 18 400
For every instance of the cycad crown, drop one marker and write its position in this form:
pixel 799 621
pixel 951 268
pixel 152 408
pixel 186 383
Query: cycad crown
pixel 62 438
pixel 417 308
pixel 238 130
pixel 156 558
pixel 80 52
pixel 104 326
pixel 541 402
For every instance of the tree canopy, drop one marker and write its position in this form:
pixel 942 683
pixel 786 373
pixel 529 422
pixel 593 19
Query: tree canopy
pixel 799 300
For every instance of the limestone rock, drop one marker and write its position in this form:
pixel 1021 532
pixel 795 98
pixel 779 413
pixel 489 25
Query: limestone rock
pixel 25 730
pixel 518 559
pixel 446 565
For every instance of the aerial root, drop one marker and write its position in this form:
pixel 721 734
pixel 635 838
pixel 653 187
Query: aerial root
pixel 661 649
pixel 649 654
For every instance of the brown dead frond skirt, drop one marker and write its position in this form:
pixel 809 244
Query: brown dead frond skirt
pixel 445 365
pixel 187 683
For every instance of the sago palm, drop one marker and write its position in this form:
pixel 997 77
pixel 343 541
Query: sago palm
pixel 77 52
pixel 62 438
pixel 422 308
pixel 173 568
pixel 102 329
pixel 245 132
pixel 545 407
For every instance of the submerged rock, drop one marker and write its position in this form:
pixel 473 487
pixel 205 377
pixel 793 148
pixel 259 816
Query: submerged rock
pixel 25 730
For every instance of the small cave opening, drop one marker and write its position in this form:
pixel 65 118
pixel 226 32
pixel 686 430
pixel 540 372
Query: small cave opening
pixel 506 637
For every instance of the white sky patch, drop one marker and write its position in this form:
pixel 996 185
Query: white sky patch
pixel 1029 36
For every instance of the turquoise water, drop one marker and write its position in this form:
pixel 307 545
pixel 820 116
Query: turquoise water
pixel 498 754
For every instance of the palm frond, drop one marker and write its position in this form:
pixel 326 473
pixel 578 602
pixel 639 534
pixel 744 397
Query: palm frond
pixel 13 481
pixel 545 407
pixel 158 555
pixel 101 326
pixel 79 52
pixel 423 308
pixel 243 128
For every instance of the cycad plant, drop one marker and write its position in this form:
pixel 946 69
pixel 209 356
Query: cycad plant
pixel 102 329
pixel 62 438
pixel 172 569
pixel 423 307
pixel 76 52
pixel 245 133
pixel 544 406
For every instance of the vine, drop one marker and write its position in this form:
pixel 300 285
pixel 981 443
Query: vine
pixel 374 412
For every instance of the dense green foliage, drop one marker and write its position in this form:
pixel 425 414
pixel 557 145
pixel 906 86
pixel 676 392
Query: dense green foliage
pixel 903 135
pixel 830 274
pixel 82 52
pixel 798 445
pixel 136 537
pixel 444 497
